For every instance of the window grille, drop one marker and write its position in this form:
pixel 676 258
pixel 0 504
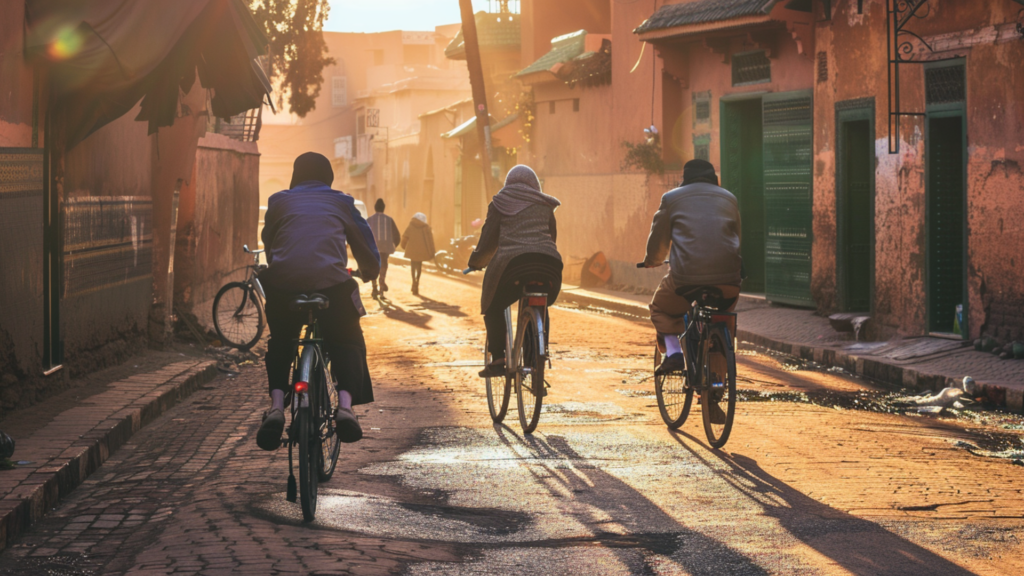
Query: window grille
pixel 702 147
pixel 822 67
pixel 751 68
pixel 944 85
pixel 701 107
pixel 339 91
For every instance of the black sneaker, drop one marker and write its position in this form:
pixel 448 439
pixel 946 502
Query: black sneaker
pixel 347 426
pixel 673 363
pixel 495 369
pixel 269 435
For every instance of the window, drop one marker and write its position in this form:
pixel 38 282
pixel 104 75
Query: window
pixel 343 147
pixel 701 108
pixel 575 104
pixel 822 67
pixel 339 91
pixel 702 147
pixel 751 68
pixel 551 107
pixel 944 85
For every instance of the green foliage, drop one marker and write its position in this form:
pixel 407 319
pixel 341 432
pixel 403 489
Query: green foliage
pixel 645 156
pixel 298 53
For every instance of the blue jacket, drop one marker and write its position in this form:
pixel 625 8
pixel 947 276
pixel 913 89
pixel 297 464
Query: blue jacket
pixel 305 232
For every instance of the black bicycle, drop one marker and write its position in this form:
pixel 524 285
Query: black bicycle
pixel 313 400
pixel 238 308
pixel 526 353
pixel 710 368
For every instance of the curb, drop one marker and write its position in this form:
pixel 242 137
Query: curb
pixel 48 485
pixel 890 375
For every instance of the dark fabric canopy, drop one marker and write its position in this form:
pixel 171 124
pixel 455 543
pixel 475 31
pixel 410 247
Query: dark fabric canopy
pixel 105 55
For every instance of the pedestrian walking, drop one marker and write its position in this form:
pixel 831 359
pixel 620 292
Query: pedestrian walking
pixel 418 243
pixel 517 246
pixel 386 233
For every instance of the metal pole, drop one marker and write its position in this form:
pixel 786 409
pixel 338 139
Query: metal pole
pixel 476 81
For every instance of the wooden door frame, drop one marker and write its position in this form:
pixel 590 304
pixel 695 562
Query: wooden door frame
pixel 951 110
pixel 856 110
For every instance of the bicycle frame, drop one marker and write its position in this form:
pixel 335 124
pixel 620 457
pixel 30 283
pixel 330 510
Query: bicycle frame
pixel 540 314
pixel 701 318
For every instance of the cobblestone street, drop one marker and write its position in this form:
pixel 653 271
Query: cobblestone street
pixel 602 487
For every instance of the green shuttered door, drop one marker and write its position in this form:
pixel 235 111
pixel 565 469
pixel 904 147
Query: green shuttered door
pixel 787 121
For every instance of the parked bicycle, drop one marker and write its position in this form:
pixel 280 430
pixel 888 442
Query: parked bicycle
pixel 710 368
pixel 526 352
pixel 238 308
pixel 313 399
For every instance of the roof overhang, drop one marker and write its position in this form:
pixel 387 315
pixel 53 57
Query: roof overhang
pixel 687 30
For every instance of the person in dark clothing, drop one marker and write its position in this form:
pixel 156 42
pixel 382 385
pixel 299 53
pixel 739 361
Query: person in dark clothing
pixel 517 246
pixel 306 231
pixel 387 235
pixel 418 243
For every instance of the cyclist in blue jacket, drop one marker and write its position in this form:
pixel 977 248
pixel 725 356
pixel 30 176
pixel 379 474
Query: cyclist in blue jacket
pixel 306 231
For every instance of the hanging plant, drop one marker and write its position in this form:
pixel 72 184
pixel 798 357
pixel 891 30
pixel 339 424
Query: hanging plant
pixel 645 156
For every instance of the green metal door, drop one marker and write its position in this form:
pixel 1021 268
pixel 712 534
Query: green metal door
pixel 946 264
pixel 743 175
pixel 788 156
pixel 855 214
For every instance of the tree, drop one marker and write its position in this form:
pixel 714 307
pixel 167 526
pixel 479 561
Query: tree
pixel 298 53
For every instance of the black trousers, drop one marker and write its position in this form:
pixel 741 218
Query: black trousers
pixel 521 270
pixel 417 271
pixel 339 327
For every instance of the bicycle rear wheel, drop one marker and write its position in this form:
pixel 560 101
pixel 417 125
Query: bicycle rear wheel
pixel 498 392
pixel 718 395
pixel 308 461
pixel 330 443
pixel 237 315
pixel 674 395
pixel 529 372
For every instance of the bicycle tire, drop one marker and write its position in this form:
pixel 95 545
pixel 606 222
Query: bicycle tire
pixel 673 393
pixel 498 395
pixel 236 328
pixel 307 462
pixel 330 443
pixel 529 371
pixel 718 395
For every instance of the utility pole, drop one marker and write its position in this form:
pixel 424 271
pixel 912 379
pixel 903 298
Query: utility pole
pixel 476 81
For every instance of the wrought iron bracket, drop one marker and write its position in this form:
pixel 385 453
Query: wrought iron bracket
pixel 901 50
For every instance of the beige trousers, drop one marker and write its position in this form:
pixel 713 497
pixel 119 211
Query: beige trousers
pixel 668 308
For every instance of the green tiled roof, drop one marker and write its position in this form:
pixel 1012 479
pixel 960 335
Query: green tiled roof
pixel 470 125
pixel 703 11
pixel 493 31
pixel 563 49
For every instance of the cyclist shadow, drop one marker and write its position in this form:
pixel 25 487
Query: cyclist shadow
pixel 857 545
pixel 442 307
pixel 598 499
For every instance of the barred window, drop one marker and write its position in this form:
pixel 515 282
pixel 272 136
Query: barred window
pixel 751 68
pixel 822 67
pixel 944 85
pixel 702 147
pixel 701 107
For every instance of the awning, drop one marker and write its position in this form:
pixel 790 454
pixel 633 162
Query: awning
pixel 703 11
pixel 103 56
pixel 469 126
pixel 356 170
pixel 563 49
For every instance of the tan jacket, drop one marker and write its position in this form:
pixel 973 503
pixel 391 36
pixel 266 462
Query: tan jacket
pixel 418 242
pixel 698 227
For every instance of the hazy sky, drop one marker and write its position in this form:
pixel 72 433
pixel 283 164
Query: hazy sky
pixel 383 15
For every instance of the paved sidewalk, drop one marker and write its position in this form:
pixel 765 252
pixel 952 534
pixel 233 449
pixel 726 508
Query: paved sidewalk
pixel 62 444
pixel 916 363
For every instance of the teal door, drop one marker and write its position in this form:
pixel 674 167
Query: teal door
pixel 855 209
pixel 946 219
pixel 787 136
pixel 743 175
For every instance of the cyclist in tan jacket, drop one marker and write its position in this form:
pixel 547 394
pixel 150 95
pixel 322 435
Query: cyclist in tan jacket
pixel 698 227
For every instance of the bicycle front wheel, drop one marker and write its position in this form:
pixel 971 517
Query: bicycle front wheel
pixel 498 392
pixel 674 395
pixel 327 403
pixel 718 395
pixel 237 315
pixel 529 375
pixel 308 462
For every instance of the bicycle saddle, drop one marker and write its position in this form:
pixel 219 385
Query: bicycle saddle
pixel 709 296
pixel 310 302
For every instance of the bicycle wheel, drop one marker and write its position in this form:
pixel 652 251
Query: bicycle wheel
pixel 498 392
pixel 330 443
pixel 237 315
pixel 674 395
pixel 308 461
pixel 718 395
pixel 529 372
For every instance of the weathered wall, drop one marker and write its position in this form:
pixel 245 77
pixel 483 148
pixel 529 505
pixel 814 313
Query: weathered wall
pixel 855 46
pixel 217 213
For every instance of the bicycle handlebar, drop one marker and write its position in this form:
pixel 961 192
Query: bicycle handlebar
pixel 468 271
pixel 644 264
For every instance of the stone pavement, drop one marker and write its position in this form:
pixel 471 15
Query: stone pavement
pixel 64 440
pixel 803 334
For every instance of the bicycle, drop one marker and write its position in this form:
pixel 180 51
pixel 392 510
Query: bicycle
pixel 710 368
pixel 526 352
pixel 238 308
pixel 313 400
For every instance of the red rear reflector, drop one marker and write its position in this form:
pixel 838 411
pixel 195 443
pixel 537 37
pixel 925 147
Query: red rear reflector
pixel 537 301
pixel 302 387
